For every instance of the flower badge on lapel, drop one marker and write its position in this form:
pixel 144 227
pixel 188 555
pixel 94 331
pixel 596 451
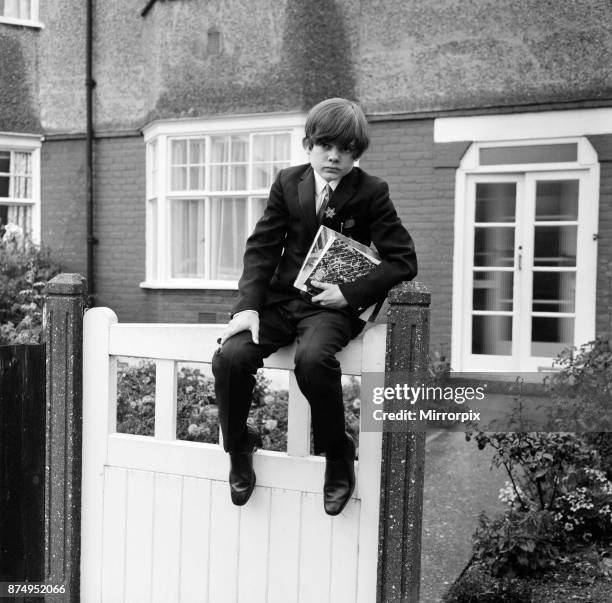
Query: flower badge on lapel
pixel 330 212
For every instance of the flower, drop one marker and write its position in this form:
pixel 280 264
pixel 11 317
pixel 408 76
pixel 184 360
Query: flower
pixel 271 424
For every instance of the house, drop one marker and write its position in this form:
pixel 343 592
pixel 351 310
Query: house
pixel 491 121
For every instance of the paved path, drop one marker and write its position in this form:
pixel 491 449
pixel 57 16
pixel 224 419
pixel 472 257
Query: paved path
pixel 458 486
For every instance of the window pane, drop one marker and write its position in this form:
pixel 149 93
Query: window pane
pixel 495 201
pixel 178 179
pixel 196 178
pixel 258 206
pixel 240 148
pixel 494 246
pixel 554 291
pixel 17 9
pixel 555 245
pixel 493 291
pixel 219 149
pixel 549 336
pixel 153 236
pixel 557 200
pixel 179 152
pixel 228 236
pixel 3 217
pixel 262 175
pixel 21 215
pixel 492 335
pixel 262 147
pixel 282 151
pixel 539 153
pixel 197 151
pixel 4 186
pixel 219 178
pixel 5 162
pixel 187 238
pixel 239 177
pixel 21 187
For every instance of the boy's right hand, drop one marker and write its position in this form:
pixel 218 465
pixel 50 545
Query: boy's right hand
pixel 247 320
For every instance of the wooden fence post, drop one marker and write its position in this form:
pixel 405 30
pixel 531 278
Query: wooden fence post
pixel 64 335
pixel 403 453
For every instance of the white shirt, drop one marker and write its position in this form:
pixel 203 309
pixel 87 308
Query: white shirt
pixel 320 183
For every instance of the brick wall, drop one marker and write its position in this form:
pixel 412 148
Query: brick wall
pixel 63 202
pixel 402 153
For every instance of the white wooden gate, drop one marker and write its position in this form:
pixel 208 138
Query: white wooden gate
pixel 157 520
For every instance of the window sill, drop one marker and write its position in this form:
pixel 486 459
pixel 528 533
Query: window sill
pixel 22 22
pixel 190 284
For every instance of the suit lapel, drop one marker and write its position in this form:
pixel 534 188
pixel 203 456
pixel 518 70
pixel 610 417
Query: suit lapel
pixel 306 197
pixel 344 191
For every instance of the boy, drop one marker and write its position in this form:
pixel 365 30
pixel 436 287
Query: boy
pixel 270 313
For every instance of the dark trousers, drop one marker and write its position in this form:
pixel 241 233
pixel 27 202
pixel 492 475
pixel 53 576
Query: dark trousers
pixel 319 334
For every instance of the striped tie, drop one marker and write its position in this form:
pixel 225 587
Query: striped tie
pixel 325 196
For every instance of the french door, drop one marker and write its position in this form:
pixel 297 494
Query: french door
pixel 529 278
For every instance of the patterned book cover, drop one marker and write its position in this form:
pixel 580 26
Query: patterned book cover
pixel 334 258
pixel 341 263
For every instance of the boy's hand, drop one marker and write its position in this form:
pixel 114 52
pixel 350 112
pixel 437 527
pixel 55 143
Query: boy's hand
pixel 247 320
pixel 330 297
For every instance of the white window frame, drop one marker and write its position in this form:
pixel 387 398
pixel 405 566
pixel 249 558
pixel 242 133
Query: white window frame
pixel 161 133
pixel 26 143
pixel 32 22
pixel 523 130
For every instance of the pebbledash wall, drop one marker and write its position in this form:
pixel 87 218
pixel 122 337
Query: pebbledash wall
pixel 408 63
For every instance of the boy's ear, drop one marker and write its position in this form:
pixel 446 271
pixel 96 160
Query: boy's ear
pixel 306 144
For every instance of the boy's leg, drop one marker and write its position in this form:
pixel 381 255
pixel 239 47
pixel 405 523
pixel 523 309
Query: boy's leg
pixel 320 335
pixel 234 366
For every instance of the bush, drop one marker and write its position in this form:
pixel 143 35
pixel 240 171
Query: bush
pixel 197 412
pixel 25 269
pixel 559 491
pixel 477 585
pixel 518 542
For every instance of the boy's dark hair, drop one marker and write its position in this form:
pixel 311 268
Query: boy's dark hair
pixel 338 121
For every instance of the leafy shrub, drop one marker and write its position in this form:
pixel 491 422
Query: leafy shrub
pixel 517 542
pixel 197 412
pixel 25 269
pixel 477 585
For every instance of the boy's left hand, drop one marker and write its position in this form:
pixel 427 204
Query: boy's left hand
pixel 330 297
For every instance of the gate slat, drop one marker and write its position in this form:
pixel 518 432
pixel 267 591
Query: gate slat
pixel 195 554
pixel 315 550
pixel 113 541
pixel 165 400
pixel 345 543
pixel 139 519
pixel 166 538
pixel 284 553
pixel 224 541
pixel 253 552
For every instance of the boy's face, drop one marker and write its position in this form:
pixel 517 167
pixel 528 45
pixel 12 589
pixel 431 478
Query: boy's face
pixel 330 161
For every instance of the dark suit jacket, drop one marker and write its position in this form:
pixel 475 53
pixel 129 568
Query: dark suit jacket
pixel 282 237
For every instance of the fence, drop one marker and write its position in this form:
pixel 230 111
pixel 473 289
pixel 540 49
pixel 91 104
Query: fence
pixel 399 459
pixel 22 461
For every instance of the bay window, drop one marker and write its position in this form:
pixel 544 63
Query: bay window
pixel 207 185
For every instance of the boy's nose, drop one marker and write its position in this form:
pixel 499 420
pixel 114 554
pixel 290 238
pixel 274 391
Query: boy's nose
pixel 333 154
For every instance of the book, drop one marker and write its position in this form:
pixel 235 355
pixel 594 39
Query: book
pixel 334 258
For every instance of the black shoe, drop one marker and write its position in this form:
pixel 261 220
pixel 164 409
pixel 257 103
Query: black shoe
pixel 339 479
pixel 242 476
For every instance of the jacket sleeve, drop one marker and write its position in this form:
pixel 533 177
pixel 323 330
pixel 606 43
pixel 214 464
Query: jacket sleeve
pixel 263 251
pixel 396 248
